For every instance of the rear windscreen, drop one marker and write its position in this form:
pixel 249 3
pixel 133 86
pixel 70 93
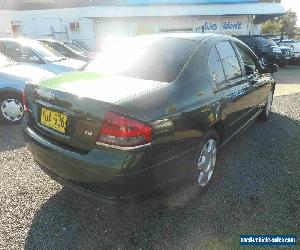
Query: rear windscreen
pixel 157 59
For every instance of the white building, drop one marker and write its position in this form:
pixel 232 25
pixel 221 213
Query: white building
pixel 96 23
pixel 5 25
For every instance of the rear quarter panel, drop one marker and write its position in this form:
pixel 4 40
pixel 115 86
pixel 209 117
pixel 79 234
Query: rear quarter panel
pixel 179 114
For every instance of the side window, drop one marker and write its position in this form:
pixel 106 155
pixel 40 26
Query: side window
pixel 229 60
pixel 215 67
pixel 248 60
pixel 28 56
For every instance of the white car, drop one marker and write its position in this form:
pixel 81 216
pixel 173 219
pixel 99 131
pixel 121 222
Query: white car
pixel 294 45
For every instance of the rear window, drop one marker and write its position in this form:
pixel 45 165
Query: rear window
pixel 157 59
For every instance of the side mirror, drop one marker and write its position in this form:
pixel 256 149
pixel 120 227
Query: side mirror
pixel 249 70
pixel 268 68
pixel 272 68
pixel 34 59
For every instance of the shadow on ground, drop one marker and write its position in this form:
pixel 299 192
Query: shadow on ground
pixel 259 193
pixel 11 137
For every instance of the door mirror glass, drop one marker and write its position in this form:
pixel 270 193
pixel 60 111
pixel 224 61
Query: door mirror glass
pixel 249 70
pixel 272 68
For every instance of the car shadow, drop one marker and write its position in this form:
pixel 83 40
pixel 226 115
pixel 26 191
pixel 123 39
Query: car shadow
pixel 259 193
pixel 11 137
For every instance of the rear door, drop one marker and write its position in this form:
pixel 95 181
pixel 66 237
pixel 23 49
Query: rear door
pixel 231 87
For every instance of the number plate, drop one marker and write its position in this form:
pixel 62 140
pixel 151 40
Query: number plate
pixel 54 120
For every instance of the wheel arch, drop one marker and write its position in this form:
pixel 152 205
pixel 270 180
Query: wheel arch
pixel 220 128
pixel 5 91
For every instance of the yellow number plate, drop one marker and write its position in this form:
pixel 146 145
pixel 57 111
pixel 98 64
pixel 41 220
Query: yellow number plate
pixel 54 120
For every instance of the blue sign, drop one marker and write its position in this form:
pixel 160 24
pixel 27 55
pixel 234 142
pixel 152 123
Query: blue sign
pixel 232 26
pixel 146 2
pixel 268 240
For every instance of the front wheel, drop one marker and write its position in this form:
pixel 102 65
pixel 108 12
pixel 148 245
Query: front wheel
pixel 11 108
pixel 264 116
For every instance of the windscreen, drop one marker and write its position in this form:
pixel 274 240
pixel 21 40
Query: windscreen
pixel 73 47
pixel 157 59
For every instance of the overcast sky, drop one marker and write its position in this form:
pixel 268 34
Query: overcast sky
pixel 294 5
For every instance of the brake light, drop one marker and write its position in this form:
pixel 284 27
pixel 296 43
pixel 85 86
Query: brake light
pixel 24 102
pixel 121 131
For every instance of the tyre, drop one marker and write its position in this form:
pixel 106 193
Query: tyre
pixel 264 115
pixel 205 169
pixel 11 108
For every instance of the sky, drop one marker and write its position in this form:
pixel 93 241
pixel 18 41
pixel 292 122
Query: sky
pixel 294 5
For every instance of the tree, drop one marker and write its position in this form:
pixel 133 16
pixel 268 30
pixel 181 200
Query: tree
pixel 289 24
pixel 283 26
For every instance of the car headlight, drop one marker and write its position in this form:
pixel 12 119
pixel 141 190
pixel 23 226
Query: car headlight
pixel 276 50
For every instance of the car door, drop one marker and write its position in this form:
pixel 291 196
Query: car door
pixel 260 83
pixel 230 86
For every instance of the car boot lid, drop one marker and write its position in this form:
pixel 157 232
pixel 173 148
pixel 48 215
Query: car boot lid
pixel 110 89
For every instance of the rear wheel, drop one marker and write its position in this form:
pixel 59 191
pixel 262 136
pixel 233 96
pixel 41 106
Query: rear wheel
pixel 11 108
pixel 206 164
pixel 264 116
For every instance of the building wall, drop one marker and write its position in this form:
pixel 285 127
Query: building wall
pixel 56 24
pixel 95 31
pixel 106 28
pixel 5 24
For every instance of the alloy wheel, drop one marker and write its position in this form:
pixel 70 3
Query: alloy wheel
pixel 207 162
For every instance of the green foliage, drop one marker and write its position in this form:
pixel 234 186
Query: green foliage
pixel 285 25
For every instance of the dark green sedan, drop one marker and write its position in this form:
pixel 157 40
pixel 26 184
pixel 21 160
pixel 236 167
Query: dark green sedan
pixel 147 112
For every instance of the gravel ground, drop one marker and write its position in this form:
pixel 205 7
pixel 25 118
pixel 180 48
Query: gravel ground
pixel 259 193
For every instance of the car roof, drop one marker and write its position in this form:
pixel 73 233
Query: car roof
pixel 19 40
pixel 22 41
pixel 48 40
pixel 193 36
pixel 251 36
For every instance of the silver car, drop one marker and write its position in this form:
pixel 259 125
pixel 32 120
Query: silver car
pixel 28 51
pixel 13 78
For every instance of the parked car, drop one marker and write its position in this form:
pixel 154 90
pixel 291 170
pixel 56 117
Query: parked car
pixel 146 113
pixel 295 47
pixel 288 54
pixel 29 51
pixel 65 49
pixel 266 50
pixel 13 78
pixel 83 46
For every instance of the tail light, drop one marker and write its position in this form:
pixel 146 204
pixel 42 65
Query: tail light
pixel 121 131
pixel 24 102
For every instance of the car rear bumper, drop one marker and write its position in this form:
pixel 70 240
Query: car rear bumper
pixel 102 174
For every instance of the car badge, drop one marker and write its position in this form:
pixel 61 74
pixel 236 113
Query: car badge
pixel 88 133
